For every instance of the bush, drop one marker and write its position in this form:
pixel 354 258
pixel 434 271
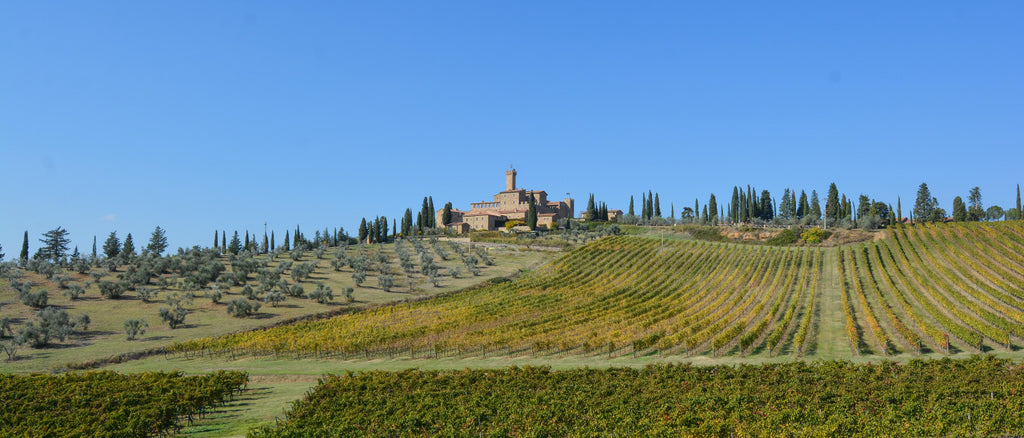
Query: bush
pixel 814 236
pixel 134 328
pixel 111 290
pixel 786 237
pixel 322 294
pixel 36 299
pixel 174 317
pixel 296 291
pixel 75 290
pixel 241 307
pixel 215 296
pixel 145 293
pixel 274 298
pixel 348 295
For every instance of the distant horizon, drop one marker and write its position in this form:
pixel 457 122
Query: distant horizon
pixel 201 116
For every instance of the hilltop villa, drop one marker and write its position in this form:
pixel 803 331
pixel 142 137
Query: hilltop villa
pixel 510 204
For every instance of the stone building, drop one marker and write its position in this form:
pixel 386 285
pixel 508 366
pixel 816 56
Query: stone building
pixel 509 204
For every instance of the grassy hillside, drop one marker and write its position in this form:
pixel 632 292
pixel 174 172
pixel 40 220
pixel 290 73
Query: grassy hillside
pixel 105 336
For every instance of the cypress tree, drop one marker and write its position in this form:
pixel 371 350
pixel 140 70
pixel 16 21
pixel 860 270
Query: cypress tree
pixel 383 229
pixel 128 248
pixel 815 210
pixel 446 214
pixel 531 212
pixel 672 210
pixel 650 205
pixel 24 248
pixel 643 206
pixel 272 247
pixel 216 241
pixel 804 208
pixel 94 247
pixel 959 210
pixel 632 214
pixel 657 206
pixel 704 214
pixel 431 213
pixel 696 210
pixel 832 206
pixel 591 213
pixel 266 243
pixel 1020 213
pixel 287 243
pixel 363 230
pixel 223 239
pixel 734 205
pixel 246 246
pixel 899 210
pixel 394 229
pixel 712 208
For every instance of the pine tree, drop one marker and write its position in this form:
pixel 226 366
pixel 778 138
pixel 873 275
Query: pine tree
pixel 112 246
pixel 157 241
pixel 631 213
pixel 923 207
pixel 128 248
pixel 55 245
pixel 976 211
pixel 804 207
pixel 24 248
pixel 657 206
pixel 815 206
pixel 236 244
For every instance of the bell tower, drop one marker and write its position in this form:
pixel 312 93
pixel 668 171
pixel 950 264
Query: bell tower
pixel 510 179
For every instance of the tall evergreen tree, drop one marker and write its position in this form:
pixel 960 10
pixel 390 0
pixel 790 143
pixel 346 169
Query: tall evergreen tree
pixel 899 210
pixel 272 246
pixel 734 212
pixel 1020 213
pixel 216 240
pixel 650 205
pixel 446 214
pixel 531 212
pixel 712 207
pixel 2 253
pixel 236 244
pixel 631 213
pixel 363 231
pixel 766 209
pixel 112 246
pixel 157 241
pixel 287 243
pixel 804 207
pixel 832 206
pixel 246 244
pixel 959 210
pixel 394 229
pixel 265 248
pixel 923 206
pixel 672 211
pixel 815 210
pixel 975 210
pixel 24 248
pixel 704 215
pixel 128 248
pixel 407 223
pixel 94 247
pixel 431 213
pixel 590 214
pixel 696 210
pixel 223 240
pixel 55 245
pixel 657 206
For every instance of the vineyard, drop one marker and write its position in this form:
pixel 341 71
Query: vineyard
pixel 936 288
pixel 982 396
pixel 620 295
pixel 110 404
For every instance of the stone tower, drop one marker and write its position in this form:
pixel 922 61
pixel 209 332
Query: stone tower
pixel 510 180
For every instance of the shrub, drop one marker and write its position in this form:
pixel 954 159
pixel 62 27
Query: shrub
pixel 174 317
pixel 75 290
pixel 36 299
pixel 813 236
pixel 348 295
pixel 296 291
pixel 786 237
pixel 134 328
pixel 322 294
pixel 215 296
pixel 241 307
pixel 145 293
pixel 111 290
pixel 274 298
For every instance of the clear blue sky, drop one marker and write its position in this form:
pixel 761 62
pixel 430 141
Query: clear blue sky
pixel 204 115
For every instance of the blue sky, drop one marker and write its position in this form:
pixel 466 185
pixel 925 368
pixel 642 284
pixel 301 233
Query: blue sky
pixel 198 115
